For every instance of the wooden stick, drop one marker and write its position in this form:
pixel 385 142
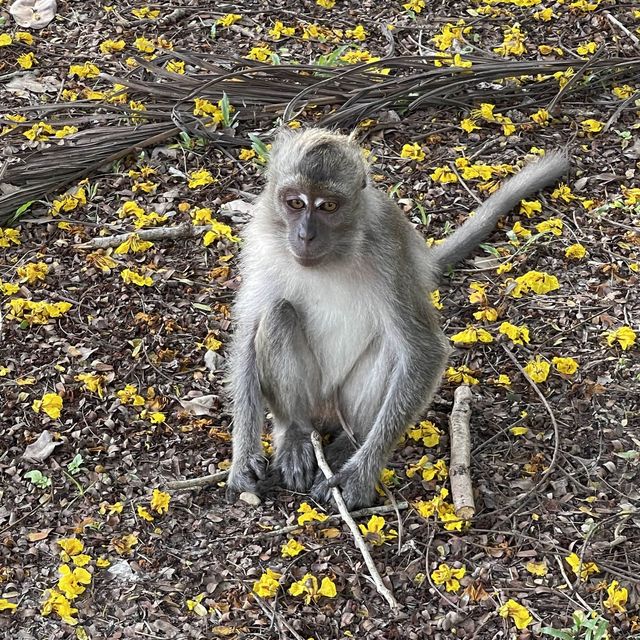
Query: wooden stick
pixel 195 483
pixel 460 467
pixel 184 230
pixel 346 516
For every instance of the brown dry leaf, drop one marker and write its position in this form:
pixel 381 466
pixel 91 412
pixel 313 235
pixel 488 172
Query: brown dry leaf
pixel 38 535
pixel 330 533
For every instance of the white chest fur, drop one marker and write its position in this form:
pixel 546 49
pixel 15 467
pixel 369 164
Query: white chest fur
pixel 341 315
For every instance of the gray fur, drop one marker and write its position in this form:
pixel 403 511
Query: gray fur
pixel 357 324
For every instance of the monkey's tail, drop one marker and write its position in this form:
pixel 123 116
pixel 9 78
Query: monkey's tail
pixel 531 178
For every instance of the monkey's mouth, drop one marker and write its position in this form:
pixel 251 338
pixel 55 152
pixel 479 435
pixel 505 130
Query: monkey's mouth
pixel 308 261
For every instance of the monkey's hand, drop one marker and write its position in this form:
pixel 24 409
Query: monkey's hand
pixel 245 474
pixel 356 483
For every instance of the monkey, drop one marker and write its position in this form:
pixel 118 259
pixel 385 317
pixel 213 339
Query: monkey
pixel 335 328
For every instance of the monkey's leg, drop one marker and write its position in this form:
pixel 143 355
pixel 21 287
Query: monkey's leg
pixel 290 379
pixel 415 374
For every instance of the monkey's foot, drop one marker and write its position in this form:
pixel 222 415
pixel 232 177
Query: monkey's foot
pixel 245 475
pixel 358 489
pixel 295 462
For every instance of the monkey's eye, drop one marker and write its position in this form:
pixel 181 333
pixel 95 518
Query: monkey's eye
pixel 329 206
pixel 296 203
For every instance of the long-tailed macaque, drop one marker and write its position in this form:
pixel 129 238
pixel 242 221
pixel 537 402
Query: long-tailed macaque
pixel 335 326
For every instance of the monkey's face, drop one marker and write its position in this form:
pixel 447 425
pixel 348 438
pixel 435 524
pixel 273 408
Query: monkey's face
pixel 316 222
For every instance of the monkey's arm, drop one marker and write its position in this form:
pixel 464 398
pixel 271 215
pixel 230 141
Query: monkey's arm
pixel 248 464
pixel 533 177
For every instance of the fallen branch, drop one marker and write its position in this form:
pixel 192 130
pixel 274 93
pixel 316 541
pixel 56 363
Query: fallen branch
pixel 196 483
pixel 184 230
pixel 460 467
pixel 346 516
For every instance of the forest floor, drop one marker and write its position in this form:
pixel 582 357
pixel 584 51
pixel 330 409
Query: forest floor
pixel 112 386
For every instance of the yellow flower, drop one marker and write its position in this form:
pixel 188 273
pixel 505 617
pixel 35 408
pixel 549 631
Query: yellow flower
pixel 67 130
pixel 146 12
pixel 57 603
pixel 5 40
pixel 428 470
pixel 196 605
pixel 488 314
pixel 246 154
pixel 144 514
pixel 444 175
pixel 112 46
pixel 562 192
pixel 160 501
pixel 357 57
pixel 450 34
pixel 309 514
pixel 471 335
pixel 81 559
pixel 503 380
pixel 575 251
pixel 427 432
pixel 268 584
pixel 541 117
pixel 133 244
pixel 568 366
pixel 33 272
pixel 513 42
pixel 202 107
pixel 585 48
pixel 326 4
pixel 534 281
pixel 71 582
pixel 461 375
pixel 625 336
pixel 517 335
pixel 388 477
pixel 157 417
pixel 5 605
pixel 229 19
pixel 553 225
pixel 71 546
pixel 412 151
pixel 623 92
pixel 478 293
pixel 92 382
pixel 133 277
pixel 27 60
pixel 103 563
pixel 129 395
pixel 23 36
pixel 583 569
pixel 308 586
pixel 51 404
pixel 278 30
pixel 592 126
pixel 544 15
pixel 176 66
pixel 85 70
pixel 291 549
pixel 537 568
pixel 435 299
pixel 9 236
pixel 538 369
pixel 468 125
pixel 416 6
pixel 111 509
pixel 260 53
pixel 373 531
pixel 448 576
pixel 200 178
pixel 631 196
pixel 39 132
pixel 519 614
pixel 144 45
pixel 519 431
pixel 617 599
pixel 219 230
pixel 357 33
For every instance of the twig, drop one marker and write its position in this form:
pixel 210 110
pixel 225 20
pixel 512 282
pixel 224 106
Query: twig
pixel 270 611
pixel 195 483
pixel 459 469
pixel 346 516
pixel 617 23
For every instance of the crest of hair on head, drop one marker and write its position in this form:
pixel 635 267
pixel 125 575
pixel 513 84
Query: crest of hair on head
pixel 316 157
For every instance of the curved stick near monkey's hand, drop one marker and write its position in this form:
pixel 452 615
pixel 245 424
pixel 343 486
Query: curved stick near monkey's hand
pixel 383 590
